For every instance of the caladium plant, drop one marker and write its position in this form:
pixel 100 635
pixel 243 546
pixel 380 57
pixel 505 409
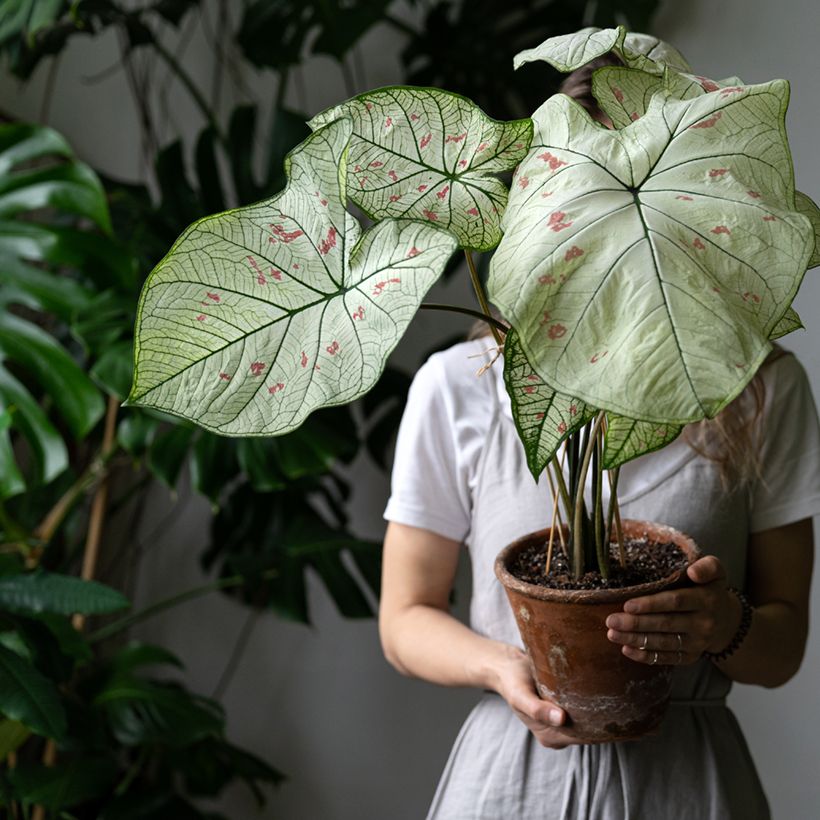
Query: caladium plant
pixel 642 270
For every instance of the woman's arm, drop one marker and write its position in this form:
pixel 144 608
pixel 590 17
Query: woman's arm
pixel 421 639
pixel 707 615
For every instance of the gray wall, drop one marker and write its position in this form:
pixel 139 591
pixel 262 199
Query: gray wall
pixel 357 740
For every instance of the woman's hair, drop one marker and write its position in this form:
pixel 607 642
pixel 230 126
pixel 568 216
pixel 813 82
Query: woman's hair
pixel 731 439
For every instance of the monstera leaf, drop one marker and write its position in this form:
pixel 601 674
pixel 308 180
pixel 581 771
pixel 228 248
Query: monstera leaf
pixel 260 315
pixel 428 154
pixel 570 51
pixel 645 269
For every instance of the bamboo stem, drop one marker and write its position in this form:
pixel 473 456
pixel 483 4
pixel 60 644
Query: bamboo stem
pixel 91 553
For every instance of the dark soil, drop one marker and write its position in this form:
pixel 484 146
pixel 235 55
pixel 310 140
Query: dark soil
pixel 645 562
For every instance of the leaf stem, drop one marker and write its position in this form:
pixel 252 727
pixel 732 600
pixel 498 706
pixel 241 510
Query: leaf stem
pixel 578 529
pixel 169 603
pixel 482 298
pixel 485 317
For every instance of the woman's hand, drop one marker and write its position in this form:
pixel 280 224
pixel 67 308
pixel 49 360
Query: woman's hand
pixel 542 717
pixel 676 626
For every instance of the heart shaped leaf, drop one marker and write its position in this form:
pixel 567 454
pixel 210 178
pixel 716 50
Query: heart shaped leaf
pixel 806 206
pixel 428 154
pixel 626 439
pixel 260 315
pixel 664 253
pixel 543 417
pixel 569 52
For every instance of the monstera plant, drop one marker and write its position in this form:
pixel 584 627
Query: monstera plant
pixel 642 270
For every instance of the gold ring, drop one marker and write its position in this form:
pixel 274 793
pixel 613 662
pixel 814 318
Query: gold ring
pixel 654 658
pixel 645 641
pixel 680 641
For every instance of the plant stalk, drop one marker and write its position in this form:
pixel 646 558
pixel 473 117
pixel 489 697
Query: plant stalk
pixel 482 298
pixel 578 532
pixel 485 317
pixel 169 603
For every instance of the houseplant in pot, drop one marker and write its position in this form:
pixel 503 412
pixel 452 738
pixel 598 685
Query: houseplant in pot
pixel 260 315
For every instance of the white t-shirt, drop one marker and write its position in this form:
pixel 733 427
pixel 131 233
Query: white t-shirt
pixel 449 410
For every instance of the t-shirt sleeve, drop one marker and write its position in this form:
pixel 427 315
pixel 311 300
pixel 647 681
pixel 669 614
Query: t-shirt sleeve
pixel 789 487
pixel 429 486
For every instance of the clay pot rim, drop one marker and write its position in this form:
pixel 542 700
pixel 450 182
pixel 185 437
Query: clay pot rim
pixel 648 529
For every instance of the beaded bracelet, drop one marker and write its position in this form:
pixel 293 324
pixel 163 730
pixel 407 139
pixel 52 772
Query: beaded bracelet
pixel 745 622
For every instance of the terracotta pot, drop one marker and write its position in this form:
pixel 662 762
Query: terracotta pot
pixel 607 696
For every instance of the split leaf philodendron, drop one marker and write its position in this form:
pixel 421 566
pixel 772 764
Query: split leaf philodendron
pixel 642 270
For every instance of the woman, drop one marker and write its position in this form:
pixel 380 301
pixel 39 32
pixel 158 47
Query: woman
pixel 744 487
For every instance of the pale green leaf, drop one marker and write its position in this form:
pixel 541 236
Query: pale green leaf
pixel 665 253
pixel 569 52
pixel 428 154
pixel 260 315
pixel 626 439
pixel 623 94
pixel 806 206
pixel 788 324
pixel 543 417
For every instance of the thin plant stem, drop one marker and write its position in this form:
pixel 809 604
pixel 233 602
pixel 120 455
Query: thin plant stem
pixel 48 94
pixel 169 603
pixel 482 298
pixel 239 647
pixel 189 85
pixel 578 533
pixel 552 534
pixel 601 547
pixel 556 513
pixel 485 317
pixel 347 75
pixel 615 512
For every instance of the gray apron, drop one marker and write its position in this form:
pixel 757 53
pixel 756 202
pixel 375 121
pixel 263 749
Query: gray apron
pixel 698 767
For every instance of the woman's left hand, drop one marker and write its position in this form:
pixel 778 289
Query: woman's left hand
pixel 675 627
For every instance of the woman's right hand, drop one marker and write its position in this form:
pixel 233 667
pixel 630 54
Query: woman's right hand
pixel 542 717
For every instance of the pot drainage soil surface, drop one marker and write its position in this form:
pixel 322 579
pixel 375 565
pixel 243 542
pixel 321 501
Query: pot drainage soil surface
pixel 646 561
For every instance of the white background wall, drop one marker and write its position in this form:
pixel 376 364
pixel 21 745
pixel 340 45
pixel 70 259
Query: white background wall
pixel 358 741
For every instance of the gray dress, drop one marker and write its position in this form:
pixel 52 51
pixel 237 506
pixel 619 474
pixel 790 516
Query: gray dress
pixel 698 767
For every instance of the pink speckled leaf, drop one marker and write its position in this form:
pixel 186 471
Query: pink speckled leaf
pixel 260 315
pixel 543 417
pixel 664 253
pixel 428 154
pixel 568 52
pixel 626 439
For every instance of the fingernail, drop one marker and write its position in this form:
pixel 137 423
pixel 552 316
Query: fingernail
pixel 613 622
pixel 556 717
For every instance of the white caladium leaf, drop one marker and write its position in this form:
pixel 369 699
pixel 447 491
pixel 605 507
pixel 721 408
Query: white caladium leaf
pixel 543 417
pixel 788 324
pixel 624 94
pixel 428 154
pixel 626 439
pixel 260 315
pixel 569 52
pixel 663 254
pixel 806 206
